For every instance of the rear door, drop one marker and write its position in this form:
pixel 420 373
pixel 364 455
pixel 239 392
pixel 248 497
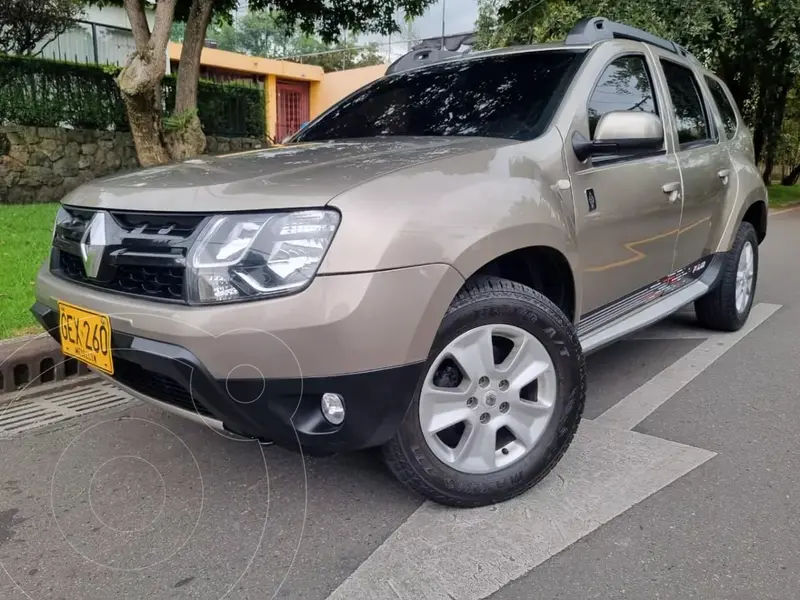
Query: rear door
pixel 627 222
pixel 702 154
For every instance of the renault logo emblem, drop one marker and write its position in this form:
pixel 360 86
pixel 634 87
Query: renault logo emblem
pixel 93 244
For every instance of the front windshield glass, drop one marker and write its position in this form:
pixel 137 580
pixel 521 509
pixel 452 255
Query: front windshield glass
pixel 508 96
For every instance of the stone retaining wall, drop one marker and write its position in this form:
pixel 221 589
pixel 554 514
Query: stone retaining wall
pixel 42 164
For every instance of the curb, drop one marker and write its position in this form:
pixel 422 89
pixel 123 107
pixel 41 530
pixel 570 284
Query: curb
pixel 34 360
pixel 774 212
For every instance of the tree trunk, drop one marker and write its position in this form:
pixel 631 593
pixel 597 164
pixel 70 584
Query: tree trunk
pixel 140 79
pixel 189 68
pixel 139 83
pixel 190 140
pixel 793 177
pixel 776 124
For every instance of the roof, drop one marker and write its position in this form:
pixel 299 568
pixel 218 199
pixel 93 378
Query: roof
pixel 222 59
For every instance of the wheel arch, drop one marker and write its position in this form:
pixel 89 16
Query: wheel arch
pixel 542 257
pixel 756 215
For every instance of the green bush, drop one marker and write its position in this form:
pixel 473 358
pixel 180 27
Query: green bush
pixel 47 93
pixel 227 109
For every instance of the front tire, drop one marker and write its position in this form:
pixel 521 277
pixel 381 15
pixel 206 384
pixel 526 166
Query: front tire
pixel 499 403
pixel 727 306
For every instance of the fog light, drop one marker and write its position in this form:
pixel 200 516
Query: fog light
pixel 333 408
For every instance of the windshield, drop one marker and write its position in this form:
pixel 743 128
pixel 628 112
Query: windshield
pixel 508 96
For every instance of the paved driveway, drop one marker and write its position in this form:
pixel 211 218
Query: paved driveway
pixel 683 483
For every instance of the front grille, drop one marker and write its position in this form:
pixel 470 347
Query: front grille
pixel 157 386
pixel 165 283
pixel 143 253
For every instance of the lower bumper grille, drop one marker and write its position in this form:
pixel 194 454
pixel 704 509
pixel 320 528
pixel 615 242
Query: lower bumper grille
pixel 157 386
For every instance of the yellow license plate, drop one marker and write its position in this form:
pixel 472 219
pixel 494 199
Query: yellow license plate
pixel 86 335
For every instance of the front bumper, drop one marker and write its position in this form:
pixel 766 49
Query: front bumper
pixel 340 324
pixel 285 411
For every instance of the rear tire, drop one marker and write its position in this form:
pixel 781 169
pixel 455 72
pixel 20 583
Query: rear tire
pixel 513 433
pixel 727 306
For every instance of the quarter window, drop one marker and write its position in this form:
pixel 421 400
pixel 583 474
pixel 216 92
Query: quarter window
pixel 726 110
pixel 687 104
pixel 624 85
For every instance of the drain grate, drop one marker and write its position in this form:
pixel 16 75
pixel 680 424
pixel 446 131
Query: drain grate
pixel 39 410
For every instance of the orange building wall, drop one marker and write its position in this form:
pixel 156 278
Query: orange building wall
pixel 325 89
pixel 251 64
pixel 338 84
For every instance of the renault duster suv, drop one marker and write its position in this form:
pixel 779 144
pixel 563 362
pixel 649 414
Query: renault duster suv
pixel 423 267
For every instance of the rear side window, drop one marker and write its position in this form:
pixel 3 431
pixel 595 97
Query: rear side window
pixel 624 85
pixel 726 110
pixel 687 102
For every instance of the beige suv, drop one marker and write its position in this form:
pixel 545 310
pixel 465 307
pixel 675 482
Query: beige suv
pixel 424 266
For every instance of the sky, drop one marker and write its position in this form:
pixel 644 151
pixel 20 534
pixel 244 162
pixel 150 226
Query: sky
pixel 460 17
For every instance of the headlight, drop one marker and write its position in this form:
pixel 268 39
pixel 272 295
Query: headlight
pixel 62 216
pixel 241 257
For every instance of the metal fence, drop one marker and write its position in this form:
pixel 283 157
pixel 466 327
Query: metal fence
pixel 91 43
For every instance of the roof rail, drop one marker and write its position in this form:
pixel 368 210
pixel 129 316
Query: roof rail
pixel 419 58
pixel 588 30
pixel 594 29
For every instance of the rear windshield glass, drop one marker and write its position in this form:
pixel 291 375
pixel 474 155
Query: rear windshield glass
pixel 511 96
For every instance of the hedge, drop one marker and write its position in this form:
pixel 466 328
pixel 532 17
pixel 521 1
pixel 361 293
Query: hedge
pixel 48 93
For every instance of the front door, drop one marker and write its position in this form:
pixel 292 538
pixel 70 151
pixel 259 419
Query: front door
pixel 626 216
pixel 293 107
pixel 703 158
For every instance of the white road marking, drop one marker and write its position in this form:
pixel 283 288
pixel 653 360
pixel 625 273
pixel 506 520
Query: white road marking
pixel 446 554
pixel 642 402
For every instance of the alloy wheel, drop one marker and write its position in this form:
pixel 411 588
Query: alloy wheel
pixel 487 398
pixel 744 277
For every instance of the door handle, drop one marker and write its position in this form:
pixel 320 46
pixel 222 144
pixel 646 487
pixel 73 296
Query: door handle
pixel 673 190
pixel 724 174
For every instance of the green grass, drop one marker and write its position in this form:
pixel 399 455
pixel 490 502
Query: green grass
pixel 784 195
pixel 25 236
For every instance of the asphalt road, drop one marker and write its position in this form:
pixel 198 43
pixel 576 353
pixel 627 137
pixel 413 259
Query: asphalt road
pixel 682 484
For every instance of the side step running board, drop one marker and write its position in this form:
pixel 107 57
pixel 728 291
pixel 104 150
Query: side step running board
pixel 653 312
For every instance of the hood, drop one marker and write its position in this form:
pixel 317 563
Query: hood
pixel 292 176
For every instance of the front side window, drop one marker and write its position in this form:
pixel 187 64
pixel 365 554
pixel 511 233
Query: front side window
pixel 512 96
pixel 687 104
pixel 724 105
pixel 624 85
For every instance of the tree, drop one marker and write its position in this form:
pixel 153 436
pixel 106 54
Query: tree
pixel 24 24
pixel 140 78
pixel 754 45
pixel 789 151
pixel 337 57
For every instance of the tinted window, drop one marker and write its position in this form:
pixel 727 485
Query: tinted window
pixel 726 110
pixel 624 85
pixel 510 96
pixel 687 103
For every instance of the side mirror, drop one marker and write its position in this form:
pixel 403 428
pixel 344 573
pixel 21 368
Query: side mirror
pixel 618 132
